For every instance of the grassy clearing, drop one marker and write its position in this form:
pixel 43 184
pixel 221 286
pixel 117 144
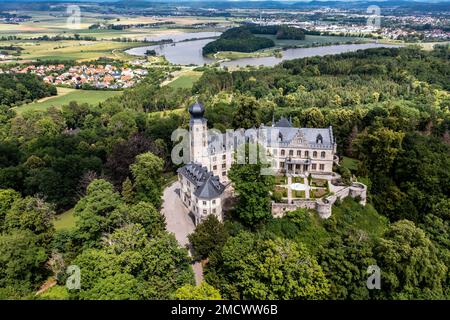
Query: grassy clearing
pixel 65 220
pixel 233 55
pixel 186 80
pixel 92 97
pixel 350 163
pixel 428 46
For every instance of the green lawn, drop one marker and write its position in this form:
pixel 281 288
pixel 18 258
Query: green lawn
pixel 81 96
pixel 65 220
pixel 350 163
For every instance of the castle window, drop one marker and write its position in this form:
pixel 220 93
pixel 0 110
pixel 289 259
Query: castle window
pixel 214 211
pixel 283 152
pixel 315 154
pixel 322 167
pixel 313 166
pixel 224 165
pixel 224 156
pixel 204 203
pixel 291 152
pixel 224 174
pixel 214 202
pixel 322 154
pixel 299 153
pixel 214 167
pixel 306 154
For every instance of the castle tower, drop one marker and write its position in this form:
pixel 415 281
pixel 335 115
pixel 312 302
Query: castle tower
pixel 198 134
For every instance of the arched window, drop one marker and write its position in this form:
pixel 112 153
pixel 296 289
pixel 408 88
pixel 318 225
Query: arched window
pixel 282 152
pixel 306 154
pixel 315 154
pixel 322 154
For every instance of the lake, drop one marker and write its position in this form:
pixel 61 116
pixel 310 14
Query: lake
pixel 190 52
pixel 176 37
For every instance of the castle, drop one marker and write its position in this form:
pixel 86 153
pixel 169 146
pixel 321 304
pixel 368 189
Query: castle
pixel 301 158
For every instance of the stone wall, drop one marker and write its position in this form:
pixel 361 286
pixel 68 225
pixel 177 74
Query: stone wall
pixel 323 206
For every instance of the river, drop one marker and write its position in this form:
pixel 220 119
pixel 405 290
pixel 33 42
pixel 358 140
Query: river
pixel 190 52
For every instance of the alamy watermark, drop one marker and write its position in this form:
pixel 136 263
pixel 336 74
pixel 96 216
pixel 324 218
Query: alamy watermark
pixel 374 20
pixel 249 146
pixel 74 19
pixel 374 279
pixel 73 281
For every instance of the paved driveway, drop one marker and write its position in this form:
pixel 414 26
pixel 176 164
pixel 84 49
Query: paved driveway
pixel 178 221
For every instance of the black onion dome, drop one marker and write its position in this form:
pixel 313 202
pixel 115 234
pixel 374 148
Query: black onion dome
pixel 197 110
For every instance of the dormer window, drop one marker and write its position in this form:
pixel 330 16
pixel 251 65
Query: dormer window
pixel 319 138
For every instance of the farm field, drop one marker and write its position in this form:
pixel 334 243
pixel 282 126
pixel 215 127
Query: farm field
pixel 67 95
pixel 70 49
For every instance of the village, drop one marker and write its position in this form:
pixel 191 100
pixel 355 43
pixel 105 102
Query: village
pixel 80 76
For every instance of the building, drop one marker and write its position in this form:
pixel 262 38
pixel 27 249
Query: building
pixel 200 191
pixel 299 153
pixel 293 150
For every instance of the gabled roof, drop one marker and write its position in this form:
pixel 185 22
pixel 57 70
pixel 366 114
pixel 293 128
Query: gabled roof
pixel 208 185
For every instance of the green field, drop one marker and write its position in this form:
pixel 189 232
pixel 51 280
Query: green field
pixel 312 40
pixel 70 49
pixel 186 80
pixel 81 96
pixel 65 220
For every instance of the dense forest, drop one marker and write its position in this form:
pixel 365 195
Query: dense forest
pixel 16 89
pixel 389 109
pixel 246 39
pixel 238 39
pixel 280 31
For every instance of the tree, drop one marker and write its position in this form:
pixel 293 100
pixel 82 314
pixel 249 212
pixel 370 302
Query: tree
pixel 208 236
pixel 204 291
pixel 145 214
pixel 409 264
pixel 148 181
pixel 127 191
pixel 252 189
pixel 379 148
pixel 7 198
pixel 32 214
pixel 120 286
pixel 158 265
pixel 123 124
pixel 22 260
pixel 345 261
pixel 97 212
pixel 270 269
pixel 246 115
pixel 124 154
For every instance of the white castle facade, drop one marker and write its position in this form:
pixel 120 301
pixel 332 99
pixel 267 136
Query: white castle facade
pixel 299 153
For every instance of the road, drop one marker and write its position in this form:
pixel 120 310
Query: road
pixel 179 223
